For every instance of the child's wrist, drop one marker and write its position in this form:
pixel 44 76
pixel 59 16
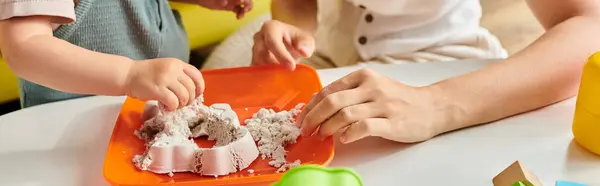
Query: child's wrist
pixel 123 68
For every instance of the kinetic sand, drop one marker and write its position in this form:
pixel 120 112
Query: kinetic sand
pixel 171 148
pixel 273 131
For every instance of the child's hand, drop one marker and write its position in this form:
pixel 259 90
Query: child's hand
pixel 281 43
pixel 239 7
pixel 170 81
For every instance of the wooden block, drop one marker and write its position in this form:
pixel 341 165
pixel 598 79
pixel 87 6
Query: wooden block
pixel 566 183
pixel 516 173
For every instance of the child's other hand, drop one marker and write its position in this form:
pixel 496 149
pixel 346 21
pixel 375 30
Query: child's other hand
pixel 281 43
pixel 170 81
pixel 239 7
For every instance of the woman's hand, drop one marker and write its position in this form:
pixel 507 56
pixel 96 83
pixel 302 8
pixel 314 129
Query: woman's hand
pixel 364 103
pixel 239 7
pixel 281 43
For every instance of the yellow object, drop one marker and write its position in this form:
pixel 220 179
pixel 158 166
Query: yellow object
pixel 586 122
pixel 9 90
pixel 203 26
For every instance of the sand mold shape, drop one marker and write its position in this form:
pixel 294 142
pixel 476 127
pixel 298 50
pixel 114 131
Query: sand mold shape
pixel 170 146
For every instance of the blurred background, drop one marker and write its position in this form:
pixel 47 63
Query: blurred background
pixel 510 20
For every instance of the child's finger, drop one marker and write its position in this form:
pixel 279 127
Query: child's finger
pixel 265 58
pixel 270 58
pixel 274 42
pixel 168 98
pixel 303 43
pixel 196 76
pixel 295 53
pixel 260 54
pixel 189 86
pixel 151 109
pixel 179 90
pixel 257 48
pixel 363 128
pixel 290 65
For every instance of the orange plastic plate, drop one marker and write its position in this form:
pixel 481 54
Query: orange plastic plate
pixel 246 89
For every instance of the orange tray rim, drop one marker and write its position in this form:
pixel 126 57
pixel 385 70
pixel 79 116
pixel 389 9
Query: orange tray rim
pixel 239 180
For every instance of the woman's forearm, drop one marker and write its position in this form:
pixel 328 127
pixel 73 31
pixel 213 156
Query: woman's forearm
pixel 300 13
pixel 546 72
pixel 34 54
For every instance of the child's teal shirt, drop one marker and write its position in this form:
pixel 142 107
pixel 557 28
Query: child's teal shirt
pixel 138 29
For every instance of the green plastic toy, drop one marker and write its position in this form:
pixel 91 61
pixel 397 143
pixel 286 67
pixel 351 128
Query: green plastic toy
pixel 314 175
pixel 520 183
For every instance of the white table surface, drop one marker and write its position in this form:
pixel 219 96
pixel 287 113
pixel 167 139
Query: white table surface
pixel 64 143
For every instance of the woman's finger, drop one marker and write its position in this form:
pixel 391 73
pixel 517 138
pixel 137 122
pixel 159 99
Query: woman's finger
pixel 348 115
pixel 180 91
pixel 365 128
pixel 329 106
pixel 189 86
pixel 168 99
pixel 347 82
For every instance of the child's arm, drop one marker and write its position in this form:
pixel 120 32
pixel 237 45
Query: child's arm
pixel 34 54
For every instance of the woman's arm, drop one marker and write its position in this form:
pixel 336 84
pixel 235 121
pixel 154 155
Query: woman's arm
pixel 545 72
pixel 33 53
